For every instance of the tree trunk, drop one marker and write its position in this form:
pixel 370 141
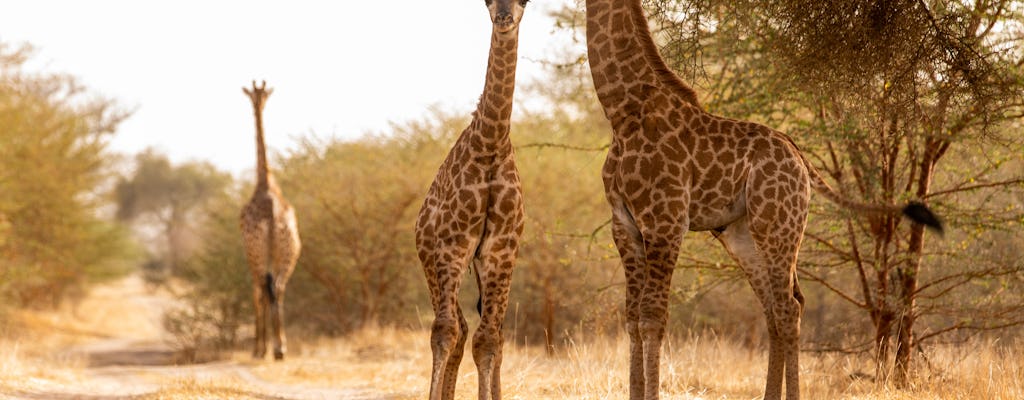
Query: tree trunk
pixel 908 276
pixel 549 319
pixel 883 343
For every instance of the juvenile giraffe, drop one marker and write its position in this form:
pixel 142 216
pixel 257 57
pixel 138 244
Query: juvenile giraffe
pixel 271 237
pixel 473 213
pixel 672 167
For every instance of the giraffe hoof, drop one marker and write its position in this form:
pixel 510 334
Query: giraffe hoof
pixel 278 355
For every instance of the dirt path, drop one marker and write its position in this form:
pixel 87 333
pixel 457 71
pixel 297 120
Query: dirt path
pixel 125 354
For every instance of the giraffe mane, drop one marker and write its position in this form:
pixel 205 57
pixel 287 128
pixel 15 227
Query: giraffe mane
pixel 665 74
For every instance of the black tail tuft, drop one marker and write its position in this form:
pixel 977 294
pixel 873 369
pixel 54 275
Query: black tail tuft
pixel 269 288
pixel 920 213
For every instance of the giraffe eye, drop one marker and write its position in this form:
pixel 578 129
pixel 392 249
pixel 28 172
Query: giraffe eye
pixel 523 2
pixel 488 2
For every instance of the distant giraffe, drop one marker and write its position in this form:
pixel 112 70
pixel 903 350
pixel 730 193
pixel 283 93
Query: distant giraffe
pixel 271 238
pixel 473 213
pixel 672 167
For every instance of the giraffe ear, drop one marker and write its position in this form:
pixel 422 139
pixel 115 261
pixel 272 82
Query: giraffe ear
pixel 246 91
pixel 268 91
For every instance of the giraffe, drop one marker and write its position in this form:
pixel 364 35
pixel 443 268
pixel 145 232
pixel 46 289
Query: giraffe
pixel 473 214
pixel 673 168
pixel 271 237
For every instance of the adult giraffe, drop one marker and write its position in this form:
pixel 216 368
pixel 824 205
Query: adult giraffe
pixel 672 168
pixel 473 213
pixel 270 234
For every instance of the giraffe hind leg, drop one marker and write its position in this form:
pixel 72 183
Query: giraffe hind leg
pixel 275 300
pixel 773 279
pixel 260 308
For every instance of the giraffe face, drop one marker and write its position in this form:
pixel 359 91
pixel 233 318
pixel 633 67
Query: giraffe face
pixel 258 94
pixel 505 14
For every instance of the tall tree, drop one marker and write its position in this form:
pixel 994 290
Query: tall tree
pixel 895 98
pixel 168 197
pixel 54 173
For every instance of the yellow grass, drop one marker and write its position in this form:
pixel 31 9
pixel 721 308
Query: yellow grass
pixel 395 364
pixel 392 363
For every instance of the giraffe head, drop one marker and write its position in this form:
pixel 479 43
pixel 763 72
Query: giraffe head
pixel 505 14
pixel 258 95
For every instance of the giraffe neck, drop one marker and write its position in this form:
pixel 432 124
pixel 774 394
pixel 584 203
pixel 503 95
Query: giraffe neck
pixel 491 118
pixel 263 178
pixel 624 59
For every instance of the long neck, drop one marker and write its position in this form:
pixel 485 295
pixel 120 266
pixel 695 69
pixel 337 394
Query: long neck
pixel 493 112
pixel 665 74
pixel 262 170
pixel 624 59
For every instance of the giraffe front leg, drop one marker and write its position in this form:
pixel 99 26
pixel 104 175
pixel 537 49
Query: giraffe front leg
pixel 629 243
pixel 451 370
pixel 661 257
pixel 444 336
pixel 495 279
pixel 662 226
pixel 448 330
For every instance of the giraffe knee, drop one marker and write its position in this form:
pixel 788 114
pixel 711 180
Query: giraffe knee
pixel 633 329
pixel 786 321
pixel 651 329
pixel 485 342
pixel 445 333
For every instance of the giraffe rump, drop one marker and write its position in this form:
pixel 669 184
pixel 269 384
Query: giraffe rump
pixel 915 211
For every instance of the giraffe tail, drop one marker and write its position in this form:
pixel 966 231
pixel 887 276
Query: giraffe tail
pixel 268 287
pixel 914 210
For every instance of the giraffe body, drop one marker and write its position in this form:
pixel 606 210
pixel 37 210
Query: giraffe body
pixel 270 234
pixel 673 168
pixel 473 214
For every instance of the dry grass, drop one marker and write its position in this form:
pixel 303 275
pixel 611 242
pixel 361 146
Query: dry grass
pixel 387 363
pixel 397 363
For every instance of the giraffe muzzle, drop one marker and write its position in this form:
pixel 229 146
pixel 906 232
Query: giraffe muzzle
pixel 504 22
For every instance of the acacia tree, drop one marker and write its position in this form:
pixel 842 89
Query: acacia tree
pixel 54 173
pixel 896 100
pixel 169 197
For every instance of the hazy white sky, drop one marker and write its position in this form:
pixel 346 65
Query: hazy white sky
pixel 339 68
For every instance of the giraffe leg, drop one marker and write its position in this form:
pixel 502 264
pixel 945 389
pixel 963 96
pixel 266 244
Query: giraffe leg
pixel 256 254
pixel 629 243
pixel 792 348
pixel 772 276
pixel 785 344
pixel 444 271
pixel 661 257
pixel 495 279
pixel 277 323
pixel 451 369
pixel 260 308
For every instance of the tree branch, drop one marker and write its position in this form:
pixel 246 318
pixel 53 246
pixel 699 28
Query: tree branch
pixel 829 286
pixel 1010 182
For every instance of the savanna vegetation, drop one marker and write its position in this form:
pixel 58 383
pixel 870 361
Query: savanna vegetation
pixel 892 100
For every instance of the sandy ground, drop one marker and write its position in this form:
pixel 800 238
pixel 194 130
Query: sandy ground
pixel 123 352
